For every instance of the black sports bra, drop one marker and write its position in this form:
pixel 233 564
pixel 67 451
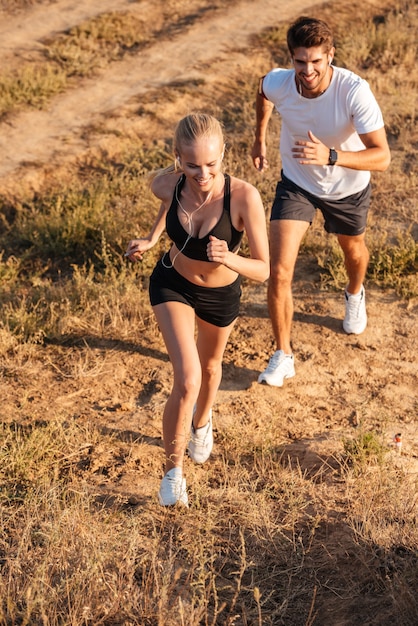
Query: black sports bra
pixel 195 247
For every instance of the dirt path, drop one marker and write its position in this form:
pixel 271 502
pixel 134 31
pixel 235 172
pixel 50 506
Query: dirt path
pixel 57 133
pixel 23 33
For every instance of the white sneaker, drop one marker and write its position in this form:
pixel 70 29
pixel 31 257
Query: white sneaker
pixel 173 488
pixel 201 441
pixel 280 366
pixel 355 320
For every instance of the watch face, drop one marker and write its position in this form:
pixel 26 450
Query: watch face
pixel 333 156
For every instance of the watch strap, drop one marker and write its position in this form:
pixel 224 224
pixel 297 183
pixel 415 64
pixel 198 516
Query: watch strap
pixel 333 156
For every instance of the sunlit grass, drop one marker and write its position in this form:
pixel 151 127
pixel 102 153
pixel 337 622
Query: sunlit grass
pixel 30 86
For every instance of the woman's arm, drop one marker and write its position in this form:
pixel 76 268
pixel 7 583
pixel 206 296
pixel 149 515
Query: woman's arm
pixel 248 212
pixel 137 247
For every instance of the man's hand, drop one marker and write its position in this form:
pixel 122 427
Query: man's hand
pixel 258 155
pixel 311 151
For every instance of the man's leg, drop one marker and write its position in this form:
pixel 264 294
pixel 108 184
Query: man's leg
pixel 285 240
pixel 356 257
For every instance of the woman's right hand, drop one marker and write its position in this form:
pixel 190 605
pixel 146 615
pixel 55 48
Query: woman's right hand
pixel 136 248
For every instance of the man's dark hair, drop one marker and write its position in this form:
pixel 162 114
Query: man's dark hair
pixel 308 32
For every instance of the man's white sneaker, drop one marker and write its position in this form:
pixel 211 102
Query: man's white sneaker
pixel 280 366
pixel 201 441
pixel 355 320
pixel 173 488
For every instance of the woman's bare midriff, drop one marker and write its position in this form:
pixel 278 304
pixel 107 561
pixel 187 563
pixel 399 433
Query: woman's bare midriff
pixel 203 273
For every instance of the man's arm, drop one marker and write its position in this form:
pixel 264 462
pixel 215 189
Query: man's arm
pixel 263 109
pixel 375 157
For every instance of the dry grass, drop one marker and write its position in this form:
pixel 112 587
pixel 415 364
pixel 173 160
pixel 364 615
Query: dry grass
pixel 260 531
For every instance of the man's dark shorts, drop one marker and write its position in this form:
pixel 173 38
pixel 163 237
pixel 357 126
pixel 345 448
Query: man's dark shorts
pixel 216 305
pixel 347 216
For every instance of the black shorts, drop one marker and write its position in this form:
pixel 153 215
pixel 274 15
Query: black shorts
pixel 216 305
pixel 347 216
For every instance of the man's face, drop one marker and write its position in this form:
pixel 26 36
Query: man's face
pixel 311 67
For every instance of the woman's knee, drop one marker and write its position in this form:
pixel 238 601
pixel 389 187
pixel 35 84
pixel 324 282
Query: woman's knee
pixel 187 385
pixel 212 369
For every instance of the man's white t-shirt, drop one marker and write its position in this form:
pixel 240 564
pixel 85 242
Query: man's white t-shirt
pixel 337 117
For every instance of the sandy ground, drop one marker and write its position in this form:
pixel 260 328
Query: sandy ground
pixel 342 381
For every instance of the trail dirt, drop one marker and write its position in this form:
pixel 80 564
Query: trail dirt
pixel 60 130
pixel 342 382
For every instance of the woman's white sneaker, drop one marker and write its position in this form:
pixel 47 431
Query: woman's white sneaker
pixel 355 320
pixel 280 366
pixel 201 441
pixel 173 488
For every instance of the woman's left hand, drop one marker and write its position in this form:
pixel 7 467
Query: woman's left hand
pixel 217 250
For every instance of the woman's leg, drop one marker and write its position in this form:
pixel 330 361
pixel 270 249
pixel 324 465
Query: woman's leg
pixel 177 324
pixel 211 343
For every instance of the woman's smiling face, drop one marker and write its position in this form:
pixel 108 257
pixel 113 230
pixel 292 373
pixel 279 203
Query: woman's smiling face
pixel 201 160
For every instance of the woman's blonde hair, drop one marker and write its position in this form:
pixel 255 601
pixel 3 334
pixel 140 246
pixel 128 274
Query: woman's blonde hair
pixel 188 130
pixel 195 126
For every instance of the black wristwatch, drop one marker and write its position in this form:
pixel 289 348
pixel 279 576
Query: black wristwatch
pixel 333 156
